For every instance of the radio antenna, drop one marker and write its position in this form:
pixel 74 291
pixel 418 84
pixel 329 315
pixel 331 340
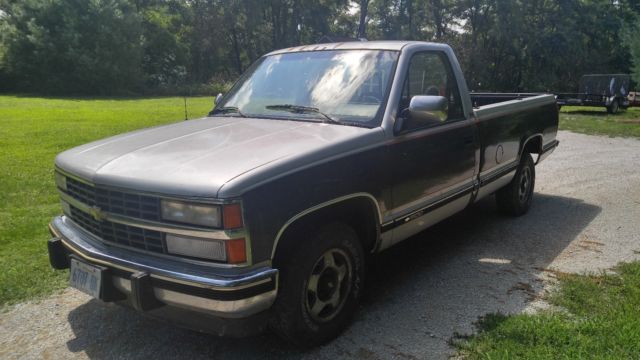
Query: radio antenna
pixel 186 117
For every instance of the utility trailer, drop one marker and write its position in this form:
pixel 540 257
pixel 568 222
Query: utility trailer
pixel 607 90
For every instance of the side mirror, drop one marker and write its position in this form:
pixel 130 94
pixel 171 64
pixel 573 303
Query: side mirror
pixel 423 111
pixel 429 107
pixel 218 99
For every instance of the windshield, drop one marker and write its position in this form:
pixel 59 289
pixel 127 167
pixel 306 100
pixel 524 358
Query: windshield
pixel 347 87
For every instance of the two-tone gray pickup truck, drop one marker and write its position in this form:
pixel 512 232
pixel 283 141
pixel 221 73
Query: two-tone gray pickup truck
pixel 266 211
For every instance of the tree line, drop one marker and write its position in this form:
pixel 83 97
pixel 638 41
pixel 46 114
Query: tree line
pixel 105 47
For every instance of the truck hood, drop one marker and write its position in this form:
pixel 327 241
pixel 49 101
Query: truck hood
pixel 198 157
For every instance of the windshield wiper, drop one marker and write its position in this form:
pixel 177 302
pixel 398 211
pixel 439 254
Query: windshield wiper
pixel 299 109
pixel 226 110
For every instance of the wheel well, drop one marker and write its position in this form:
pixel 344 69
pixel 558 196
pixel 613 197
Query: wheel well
pixel 533 145
pixel 360 213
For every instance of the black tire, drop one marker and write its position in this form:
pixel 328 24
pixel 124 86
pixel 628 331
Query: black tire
pixel 614 107
pixel 318 297
pixel 515 198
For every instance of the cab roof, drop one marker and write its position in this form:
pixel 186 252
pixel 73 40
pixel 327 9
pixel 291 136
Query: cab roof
pixel 353 45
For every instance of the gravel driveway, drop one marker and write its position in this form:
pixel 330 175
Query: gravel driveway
pixel 585 217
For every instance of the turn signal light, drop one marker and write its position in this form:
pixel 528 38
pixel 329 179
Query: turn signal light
pixel 232 216
pixel 236 251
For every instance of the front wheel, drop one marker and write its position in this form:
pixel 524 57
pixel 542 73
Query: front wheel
pixel 613 108
pixel 321 279
pixel 515 198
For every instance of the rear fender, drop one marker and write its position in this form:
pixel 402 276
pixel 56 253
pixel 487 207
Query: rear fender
pixel 531 145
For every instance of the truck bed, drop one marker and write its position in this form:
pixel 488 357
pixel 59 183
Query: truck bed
pixel 505 121
pixel 481 99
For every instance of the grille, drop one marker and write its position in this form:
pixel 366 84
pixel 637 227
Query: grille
pixel 121 203
pixel 115 202
pixel 81 192
pixel 119 234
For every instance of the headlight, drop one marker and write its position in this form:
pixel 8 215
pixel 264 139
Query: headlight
pixel 191 213
pixel 196 247
pixel 61 181
pixel 230 251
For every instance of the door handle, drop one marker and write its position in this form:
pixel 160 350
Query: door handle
pixel 467 140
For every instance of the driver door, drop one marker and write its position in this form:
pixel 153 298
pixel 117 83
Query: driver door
pixel 434 158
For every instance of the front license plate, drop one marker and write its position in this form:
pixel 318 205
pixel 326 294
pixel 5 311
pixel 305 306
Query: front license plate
pixel 86 278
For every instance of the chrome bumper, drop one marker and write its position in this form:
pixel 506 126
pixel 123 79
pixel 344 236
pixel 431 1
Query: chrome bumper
pixel 224 293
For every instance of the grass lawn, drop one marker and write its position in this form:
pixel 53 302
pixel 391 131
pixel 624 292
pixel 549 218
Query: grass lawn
pixel 596 121
pixel 600 320
pixel 32 132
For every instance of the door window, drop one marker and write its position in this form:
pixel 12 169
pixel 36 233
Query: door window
pixel 430 74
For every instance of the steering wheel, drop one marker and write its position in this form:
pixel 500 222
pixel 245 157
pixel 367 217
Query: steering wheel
pixel 432 91
pixel 371 98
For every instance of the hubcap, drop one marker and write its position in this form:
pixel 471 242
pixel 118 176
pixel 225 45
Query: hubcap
pixel 329 285
pixel 525 185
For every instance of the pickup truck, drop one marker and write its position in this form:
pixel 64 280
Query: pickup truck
pixel 266 212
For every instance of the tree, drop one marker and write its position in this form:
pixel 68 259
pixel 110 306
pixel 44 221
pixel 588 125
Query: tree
pixel 109 46
pixel 540 45
pixel 632 41
pixel 362 25
pixel 72 45
pixel 165 51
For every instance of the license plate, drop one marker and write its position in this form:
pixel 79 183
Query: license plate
pixel 85 278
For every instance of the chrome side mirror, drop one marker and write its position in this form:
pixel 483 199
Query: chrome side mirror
pixel 428 107
pixel 423 111
pixel 218 99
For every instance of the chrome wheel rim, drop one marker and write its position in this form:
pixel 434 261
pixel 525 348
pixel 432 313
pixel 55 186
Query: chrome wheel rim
pixel 328 285
pixel 525 185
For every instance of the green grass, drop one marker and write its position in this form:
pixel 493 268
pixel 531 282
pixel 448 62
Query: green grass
pixel 601 320
pixel 596 121
pixel 32 132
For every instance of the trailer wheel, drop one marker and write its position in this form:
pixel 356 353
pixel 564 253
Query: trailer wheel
pixel 614 107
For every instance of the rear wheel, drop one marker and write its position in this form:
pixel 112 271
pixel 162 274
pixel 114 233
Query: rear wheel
pixel 515 198
pixel 321 279
pixel 614 107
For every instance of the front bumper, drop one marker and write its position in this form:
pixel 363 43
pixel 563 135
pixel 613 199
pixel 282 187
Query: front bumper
pixel 148 282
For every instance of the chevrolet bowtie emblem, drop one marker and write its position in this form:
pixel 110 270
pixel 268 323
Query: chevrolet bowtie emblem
pixel 96 213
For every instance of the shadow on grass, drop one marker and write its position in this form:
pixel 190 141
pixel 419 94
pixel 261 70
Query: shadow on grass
pixel 599 113
pixel 418 295
pixel 631 112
